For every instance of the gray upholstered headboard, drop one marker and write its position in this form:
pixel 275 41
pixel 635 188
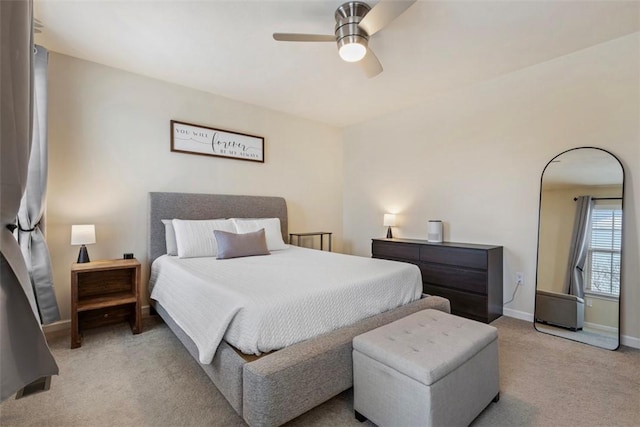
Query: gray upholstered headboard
pixel 207 206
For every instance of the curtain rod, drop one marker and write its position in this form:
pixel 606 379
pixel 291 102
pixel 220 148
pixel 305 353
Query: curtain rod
pixel 601 198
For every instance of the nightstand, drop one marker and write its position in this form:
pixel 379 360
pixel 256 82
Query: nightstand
pixel 104 292
pixel 312 233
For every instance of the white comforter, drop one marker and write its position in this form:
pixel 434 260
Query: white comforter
pixel 263 303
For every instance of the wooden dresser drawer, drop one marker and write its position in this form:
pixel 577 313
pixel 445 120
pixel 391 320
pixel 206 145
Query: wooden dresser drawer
pixel 454 277
pixel 462 257
pixel 395 250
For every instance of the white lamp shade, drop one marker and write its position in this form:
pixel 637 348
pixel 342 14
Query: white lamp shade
pixel 83 234
pixel 389 220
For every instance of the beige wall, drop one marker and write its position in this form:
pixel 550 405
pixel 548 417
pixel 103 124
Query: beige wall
pixel 109 146
pixel 601 312
pixel 473 158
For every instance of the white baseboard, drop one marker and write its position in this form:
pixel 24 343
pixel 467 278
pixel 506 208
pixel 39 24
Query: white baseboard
pixel 516 314
pixel 523 315
pixel 601 328
pixel 630 341
pixel 60 325
pixel 65 325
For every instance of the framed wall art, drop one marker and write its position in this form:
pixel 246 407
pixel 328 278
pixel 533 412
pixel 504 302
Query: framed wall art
pixel 207 141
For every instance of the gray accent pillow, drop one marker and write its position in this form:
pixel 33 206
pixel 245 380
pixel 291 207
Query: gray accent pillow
pixel 232 245
pixel 170 237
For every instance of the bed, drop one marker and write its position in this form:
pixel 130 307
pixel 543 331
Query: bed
pixel 279 386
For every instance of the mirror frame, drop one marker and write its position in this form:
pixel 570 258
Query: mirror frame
pixel 621 244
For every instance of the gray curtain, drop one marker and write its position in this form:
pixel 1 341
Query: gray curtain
pixel 31 227
pixel 24 354
pixel 574 279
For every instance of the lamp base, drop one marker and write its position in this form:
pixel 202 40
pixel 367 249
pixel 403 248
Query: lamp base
pixel 83 256
pixel 389 234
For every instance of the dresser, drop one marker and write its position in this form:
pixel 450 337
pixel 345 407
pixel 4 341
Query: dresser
pixel 468 275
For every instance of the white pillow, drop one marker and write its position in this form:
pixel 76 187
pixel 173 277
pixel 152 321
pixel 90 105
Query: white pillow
pixel 194 238
pixel 170 237
pixel 271 230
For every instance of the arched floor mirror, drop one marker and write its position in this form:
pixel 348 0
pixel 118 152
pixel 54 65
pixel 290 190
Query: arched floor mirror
pixel 579 271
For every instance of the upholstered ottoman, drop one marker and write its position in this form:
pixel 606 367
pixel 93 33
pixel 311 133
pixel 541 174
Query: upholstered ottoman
pixel 430 368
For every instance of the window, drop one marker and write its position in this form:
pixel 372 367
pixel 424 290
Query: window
pixel 603 256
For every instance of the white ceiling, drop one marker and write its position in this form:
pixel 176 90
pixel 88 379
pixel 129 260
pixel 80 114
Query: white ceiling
pixel 226 48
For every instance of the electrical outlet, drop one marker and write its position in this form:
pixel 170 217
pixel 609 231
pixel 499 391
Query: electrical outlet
pixel 519 279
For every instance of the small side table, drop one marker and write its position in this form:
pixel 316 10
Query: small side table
pixel 104 292
pixel 313 233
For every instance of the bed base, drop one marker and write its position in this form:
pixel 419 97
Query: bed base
pixel 282 385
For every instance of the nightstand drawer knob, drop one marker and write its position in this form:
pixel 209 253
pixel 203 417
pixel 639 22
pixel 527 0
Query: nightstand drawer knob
pixel 106 315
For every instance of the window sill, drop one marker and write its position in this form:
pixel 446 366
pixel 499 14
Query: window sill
pixel 597 295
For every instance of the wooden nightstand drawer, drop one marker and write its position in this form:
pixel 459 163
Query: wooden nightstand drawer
pixel 396 250
pixel 462 257
pixel 105 316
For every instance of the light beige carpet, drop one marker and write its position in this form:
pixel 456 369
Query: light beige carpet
pixel 120 379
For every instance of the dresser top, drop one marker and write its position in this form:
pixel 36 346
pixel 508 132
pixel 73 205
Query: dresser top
pixel 446 244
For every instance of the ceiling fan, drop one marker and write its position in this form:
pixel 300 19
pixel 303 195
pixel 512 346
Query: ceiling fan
pixel 356 21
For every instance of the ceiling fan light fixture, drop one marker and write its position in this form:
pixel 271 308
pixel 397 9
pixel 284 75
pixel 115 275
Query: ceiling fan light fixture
pixel 352 48
pixel 356 21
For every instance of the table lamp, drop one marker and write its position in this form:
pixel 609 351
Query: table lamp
pixel 389 221
pixel 83 235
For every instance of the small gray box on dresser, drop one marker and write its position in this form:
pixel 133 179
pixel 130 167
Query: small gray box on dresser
pixel 468 275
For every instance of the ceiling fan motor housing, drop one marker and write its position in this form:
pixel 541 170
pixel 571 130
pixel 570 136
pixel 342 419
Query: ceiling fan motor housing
pixel 348 16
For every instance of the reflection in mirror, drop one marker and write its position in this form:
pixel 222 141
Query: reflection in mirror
pixel 579 247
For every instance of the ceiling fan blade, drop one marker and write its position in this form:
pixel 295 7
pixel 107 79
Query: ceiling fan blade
pixel 290 37
pixel 370 64
pixel 382 14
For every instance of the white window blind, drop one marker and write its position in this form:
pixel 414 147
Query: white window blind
pixel 605 241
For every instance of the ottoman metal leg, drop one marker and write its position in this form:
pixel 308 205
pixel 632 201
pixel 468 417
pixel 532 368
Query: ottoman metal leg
pixel 360 417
